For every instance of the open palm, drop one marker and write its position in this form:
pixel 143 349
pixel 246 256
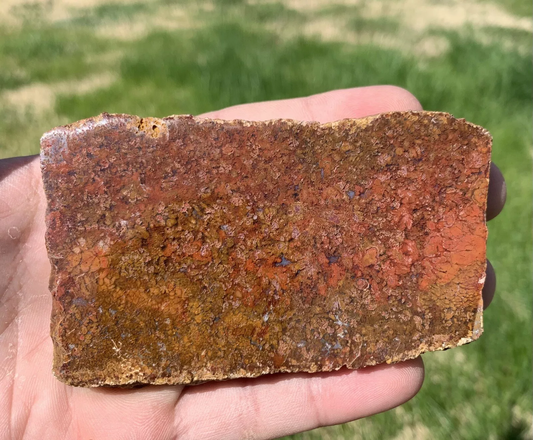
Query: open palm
pixel 33 404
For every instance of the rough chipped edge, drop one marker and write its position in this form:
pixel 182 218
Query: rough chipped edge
pixel 58 137
pixel 95 121
pixel 205 376
pixel 201 377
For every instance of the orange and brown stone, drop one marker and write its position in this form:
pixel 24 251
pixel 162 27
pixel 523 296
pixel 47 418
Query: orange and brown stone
pixel 185 250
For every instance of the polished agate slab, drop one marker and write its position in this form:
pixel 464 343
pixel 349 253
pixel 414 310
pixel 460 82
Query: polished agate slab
pixel 186 250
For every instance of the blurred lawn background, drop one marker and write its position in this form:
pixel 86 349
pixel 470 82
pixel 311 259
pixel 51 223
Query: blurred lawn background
pixel 63 60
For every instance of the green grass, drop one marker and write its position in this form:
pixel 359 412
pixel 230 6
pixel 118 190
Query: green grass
pixel 522 8
pixel 46 54
pixel 240 53
pixel 385 25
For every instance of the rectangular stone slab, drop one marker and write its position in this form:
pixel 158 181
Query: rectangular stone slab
pixel 186 250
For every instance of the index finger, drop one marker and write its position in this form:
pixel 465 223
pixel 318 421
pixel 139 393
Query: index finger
pixel 325 107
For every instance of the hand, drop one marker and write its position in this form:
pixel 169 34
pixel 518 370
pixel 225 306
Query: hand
pixel 33 404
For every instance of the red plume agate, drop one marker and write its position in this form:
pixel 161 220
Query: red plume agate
pixel 186 250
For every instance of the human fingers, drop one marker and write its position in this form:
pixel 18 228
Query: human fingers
pixel 497 192
pixel 490 285
pixel 325 107
pixel 495 203
pixel 282 404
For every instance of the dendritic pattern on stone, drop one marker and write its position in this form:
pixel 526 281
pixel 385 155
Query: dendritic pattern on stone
pixel 186 250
